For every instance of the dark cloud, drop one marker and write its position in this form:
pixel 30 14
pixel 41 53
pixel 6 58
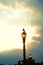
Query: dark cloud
pixel 35 3
pixel 35 38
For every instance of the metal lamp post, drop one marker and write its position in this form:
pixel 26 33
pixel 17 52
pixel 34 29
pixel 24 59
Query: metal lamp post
pixel 24 38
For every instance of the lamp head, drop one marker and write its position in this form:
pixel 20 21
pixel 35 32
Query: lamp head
pixel 24 34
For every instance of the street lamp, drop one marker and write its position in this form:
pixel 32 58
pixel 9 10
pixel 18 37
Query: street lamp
pixel 21 62
pixel 24 38
pixel 30 56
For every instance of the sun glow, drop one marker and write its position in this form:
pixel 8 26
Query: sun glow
pixel 11 38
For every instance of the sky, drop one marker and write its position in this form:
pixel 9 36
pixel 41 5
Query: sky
pixel 16 15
